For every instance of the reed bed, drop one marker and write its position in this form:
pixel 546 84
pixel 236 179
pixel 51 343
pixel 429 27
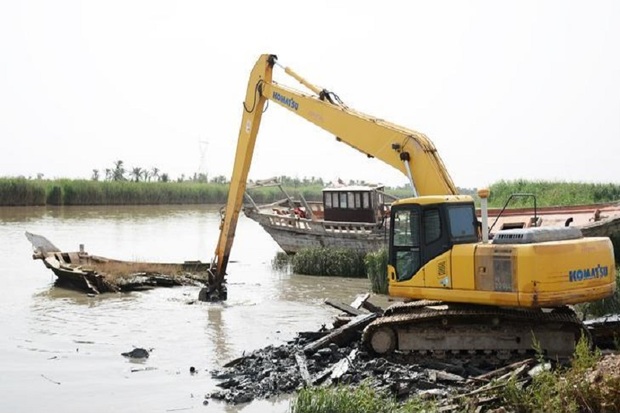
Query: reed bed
pixel 36 192
pixel 376 270
pixel 30 192
pixel 338 262
pixel 22 192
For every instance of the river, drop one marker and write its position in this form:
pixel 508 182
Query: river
pixel 60 350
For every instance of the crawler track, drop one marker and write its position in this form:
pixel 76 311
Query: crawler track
pixel 452 329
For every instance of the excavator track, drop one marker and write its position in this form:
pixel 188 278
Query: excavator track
pixel 441 329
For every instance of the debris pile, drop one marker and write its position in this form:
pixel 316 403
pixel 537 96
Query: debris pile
pixel 336 357
pixel 276 370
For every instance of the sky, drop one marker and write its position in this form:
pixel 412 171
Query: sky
pixel 506 90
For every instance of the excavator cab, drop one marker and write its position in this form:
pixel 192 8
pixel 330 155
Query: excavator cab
pixel 426 227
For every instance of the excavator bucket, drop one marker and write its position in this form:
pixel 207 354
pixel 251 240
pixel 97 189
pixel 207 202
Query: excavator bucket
pixel 215 289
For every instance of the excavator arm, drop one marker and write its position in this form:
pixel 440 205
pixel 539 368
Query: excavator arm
pixel 406 150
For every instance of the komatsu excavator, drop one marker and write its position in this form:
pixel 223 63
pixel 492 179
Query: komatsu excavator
pixel 464 293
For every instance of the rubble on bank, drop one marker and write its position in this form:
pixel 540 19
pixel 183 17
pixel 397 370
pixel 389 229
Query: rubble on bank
pixel 323 358
pixel 331 357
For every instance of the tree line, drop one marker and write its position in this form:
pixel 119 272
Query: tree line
pixel 120 173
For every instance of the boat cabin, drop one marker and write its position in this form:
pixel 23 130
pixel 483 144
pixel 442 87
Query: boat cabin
pixel 354 203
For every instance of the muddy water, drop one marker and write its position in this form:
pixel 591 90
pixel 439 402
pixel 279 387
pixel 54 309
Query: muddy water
pixel 61 350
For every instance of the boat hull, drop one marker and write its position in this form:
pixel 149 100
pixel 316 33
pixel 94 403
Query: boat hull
pixel 294 234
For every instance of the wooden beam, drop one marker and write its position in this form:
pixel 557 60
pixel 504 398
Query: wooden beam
pixel 303 368
pixel 360 300
pixel 346 308
pixel 342 335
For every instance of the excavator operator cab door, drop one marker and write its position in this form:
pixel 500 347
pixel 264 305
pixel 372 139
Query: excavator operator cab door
pixel 419 233
pixel 405 255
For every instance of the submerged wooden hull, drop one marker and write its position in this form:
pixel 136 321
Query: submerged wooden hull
pixel 95 274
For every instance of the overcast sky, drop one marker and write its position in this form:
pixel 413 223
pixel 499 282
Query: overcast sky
pixel 505 90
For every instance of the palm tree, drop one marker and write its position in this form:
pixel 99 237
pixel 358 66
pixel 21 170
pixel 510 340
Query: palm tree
pixel 136 173
pixel 155 173
pixel 119 171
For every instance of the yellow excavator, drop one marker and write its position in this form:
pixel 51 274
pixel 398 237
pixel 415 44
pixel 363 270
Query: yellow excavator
pixel 464 293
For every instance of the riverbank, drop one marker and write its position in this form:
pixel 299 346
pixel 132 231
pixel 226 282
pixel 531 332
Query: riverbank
pixel 56 192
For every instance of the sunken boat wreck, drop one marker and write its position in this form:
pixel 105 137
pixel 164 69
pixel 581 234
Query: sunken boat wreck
pixel 95 274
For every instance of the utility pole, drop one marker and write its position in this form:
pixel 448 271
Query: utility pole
pixel 202 167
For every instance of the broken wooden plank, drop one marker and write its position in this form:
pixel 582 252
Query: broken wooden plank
pixel 342 335
pixel 435 375
pixel 335 371
pixel 343 365
pixel 360 300
pixel 372 308
pixel 236 361
pixel 341 320
pixel 312 335
pixel 303 368
pixel 503 370
pixel 344 307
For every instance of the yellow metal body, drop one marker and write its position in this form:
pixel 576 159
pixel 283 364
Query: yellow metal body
pixel 537 275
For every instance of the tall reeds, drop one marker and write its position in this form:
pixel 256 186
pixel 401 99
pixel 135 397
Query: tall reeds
pixel 29 192
pixel 376 270
pixel 327 261
pixel 22 192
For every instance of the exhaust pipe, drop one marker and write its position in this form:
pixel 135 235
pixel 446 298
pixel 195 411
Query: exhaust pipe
pixel 484 212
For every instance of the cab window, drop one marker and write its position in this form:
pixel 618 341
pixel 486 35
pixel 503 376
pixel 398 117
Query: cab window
pixel 462 223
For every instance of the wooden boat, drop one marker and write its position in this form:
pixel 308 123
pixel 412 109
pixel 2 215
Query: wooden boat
pixel 95 274
pixel 350 217
pixel 356 217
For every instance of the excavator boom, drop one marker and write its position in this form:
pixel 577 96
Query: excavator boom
pixel 406 150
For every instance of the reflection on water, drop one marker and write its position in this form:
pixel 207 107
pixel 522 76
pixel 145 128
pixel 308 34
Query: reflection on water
pixel 65 346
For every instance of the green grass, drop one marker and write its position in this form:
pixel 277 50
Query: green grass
pixel 348 399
